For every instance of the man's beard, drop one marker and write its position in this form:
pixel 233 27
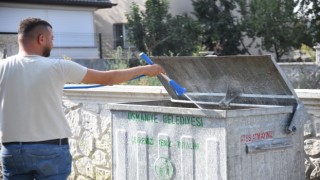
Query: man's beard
pixel 46 52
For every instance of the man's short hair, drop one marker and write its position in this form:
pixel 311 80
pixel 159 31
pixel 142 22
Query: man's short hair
pixel 29 24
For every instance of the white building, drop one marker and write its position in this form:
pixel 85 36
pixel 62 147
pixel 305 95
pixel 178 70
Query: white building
pixel 73 24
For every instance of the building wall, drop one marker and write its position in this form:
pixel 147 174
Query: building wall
pixel 106 18
pixel 180 6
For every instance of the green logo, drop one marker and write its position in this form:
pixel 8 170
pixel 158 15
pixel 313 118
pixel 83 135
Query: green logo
pixel 163 168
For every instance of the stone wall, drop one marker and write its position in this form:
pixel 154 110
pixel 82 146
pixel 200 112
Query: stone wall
pixel 311 100
pixel 302 75
pixel 305 78
pixel 8 45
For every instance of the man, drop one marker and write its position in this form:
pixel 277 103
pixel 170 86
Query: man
pixel 33 129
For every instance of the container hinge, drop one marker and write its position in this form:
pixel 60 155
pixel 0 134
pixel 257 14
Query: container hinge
pixel 230 96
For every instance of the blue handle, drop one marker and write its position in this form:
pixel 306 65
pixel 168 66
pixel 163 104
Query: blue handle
pixel 179 89
pixel 146 58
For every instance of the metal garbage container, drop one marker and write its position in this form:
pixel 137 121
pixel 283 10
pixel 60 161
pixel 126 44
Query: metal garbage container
pixel 249 124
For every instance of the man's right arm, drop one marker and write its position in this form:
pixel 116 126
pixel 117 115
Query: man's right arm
pixel 122 75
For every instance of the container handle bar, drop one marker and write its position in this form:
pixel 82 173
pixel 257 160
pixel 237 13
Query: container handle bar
pixel 298 118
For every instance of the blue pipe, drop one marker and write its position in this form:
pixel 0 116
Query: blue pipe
pixel 85 86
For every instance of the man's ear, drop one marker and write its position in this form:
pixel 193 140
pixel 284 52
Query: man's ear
pixel 41 39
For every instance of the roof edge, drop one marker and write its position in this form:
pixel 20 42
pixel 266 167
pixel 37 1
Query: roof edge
pixel 79 3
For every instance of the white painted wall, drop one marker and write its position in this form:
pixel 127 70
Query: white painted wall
pixel 180 6
pixel 106 18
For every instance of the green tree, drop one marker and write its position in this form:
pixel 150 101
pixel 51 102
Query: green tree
pixel 310 10
pixel 155 21
pixel 184 35
pixel 219 29
pixel 136 30
pixel 156 32
pixel 276 23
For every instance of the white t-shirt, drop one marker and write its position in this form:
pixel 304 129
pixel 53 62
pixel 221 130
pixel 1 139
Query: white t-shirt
pixel 31 89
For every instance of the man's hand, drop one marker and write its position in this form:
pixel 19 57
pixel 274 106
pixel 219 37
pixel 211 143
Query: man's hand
pixel 153 70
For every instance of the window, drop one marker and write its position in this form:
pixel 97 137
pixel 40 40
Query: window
pixel 119 36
